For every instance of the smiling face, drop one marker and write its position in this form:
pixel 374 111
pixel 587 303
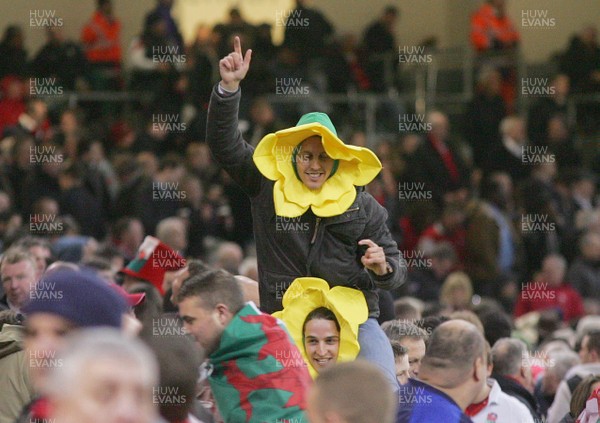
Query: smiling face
pixel 322 343
pixel 313 164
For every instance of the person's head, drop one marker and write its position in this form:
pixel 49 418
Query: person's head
pixel 496 324
pixel 554 268
pixel 65 300
pixel 589 351
pixel 105 7
pixel 262 112
pixel 313 164
pixel 102 267
pixel 561 84
pixel 321 334
pixel 128 232
pixel 411 337
pixel 455 361
pixel 440 126
pixel 37 109
pixel 18 270
pixel 498 5
pixel 390 16
pixel 353 392
pixel 198 156
pixel 456 291
pixel 193 267
pixel 228 256
pixel 590 246
pixel 490 81
pixel 207 303
pixel 13 36
pixel 562 361
pixel 173 232
pixel 589 35
pixel 104 377
pixel 443 259
pixel 514 127
pixel 468 316
pixel 171 168
pixel 408 308
pixel 401 362
pixel 179 360
pixel 40 249
pixel 581 394
pixel 511 358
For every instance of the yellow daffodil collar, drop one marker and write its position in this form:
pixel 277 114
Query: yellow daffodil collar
pixel 274 156
pixel 349 306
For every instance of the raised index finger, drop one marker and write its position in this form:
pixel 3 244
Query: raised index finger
pixel 237 46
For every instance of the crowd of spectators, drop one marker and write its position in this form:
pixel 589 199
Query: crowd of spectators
pixel 499 226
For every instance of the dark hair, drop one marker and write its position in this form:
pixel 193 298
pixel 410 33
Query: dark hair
pixel 97 264
pixel 321 313
pixel 213 287
pixel 581 393
pixel 178 360
pixel 398 349
pixel 593 341
pixel 496 325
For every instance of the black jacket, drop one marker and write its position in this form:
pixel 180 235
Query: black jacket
pixel 308 245
pixel 515 389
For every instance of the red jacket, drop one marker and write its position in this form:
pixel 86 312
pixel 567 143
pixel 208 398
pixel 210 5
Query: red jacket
pixel 101 39
pixel 537 296
pixel 486 26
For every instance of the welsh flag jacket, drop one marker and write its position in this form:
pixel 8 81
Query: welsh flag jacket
pixel 259 375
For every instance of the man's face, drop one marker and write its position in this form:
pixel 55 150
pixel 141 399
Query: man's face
pixel 402 369
pixel 204 324
pixel 44 336
pixel 41 255
pixel 313 164
pixel 553 271
pixel 322 343
pixel 416 352
pixel 18 280
pixel 110 391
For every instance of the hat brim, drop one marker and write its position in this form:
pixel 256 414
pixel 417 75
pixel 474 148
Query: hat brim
pixel 348 305
pixel 273 157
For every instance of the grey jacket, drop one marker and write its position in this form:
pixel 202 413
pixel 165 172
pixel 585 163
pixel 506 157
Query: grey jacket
pixel 288 248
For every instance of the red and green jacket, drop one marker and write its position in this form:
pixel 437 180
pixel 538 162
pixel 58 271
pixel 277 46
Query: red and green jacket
pixel 258 372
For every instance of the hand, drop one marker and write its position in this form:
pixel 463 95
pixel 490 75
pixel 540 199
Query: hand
pixel 234 67
pixel 374 257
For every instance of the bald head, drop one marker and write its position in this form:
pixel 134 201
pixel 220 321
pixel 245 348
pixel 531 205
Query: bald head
pixel 336 395
pixel 453 348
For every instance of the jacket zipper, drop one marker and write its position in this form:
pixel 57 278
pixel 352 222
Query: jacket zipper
pixel 314 237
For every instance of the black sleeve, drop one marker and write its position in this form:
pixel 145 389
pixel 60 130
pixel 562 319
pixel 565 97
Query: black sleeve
pixel 227 145
pixel 378 232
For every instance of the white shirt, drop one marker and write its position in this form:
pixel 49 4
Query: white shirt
pixel 502 408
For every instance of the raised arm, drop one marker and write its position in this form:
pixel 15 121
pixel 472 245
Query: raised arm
pixel 222 134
